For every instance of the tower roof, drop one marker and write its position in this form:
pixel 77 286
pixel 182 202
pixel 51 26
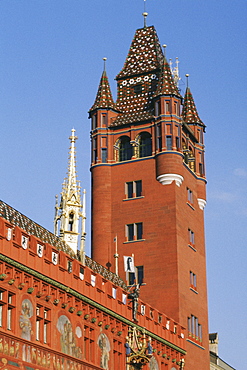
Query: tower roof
pixel 189 112
pixel 104 96
pixel 166 84
pixel 145 54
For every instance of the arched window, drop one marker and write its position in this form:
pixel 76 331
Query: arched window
pixel 145 145
pixel 124 149
pixel 71 221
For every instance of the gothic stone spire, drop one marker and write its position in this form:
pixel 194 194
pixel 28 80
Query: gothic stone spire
pixel 69 212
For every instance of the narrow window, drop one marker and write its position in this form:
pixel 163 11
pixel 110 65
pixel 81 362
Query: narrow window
pixel 131 278
pixel 139 230
pixel 189 196
pixel 125 149
pixel 140 274
pixel 104 155
pixel 159 137
pixel 94 121
pixel 130 189
pixel 167 109
pixel 104 120
pixel 168 142
pixel 95 150
pixel 71 221
pixel 130 229
pixel 145 145
pixel 192 280
pixel 138 185
pixel 191 237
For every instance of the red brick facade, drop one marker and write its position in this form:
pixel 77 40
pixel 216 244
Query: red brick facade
pixel 56 313
pixel 168 213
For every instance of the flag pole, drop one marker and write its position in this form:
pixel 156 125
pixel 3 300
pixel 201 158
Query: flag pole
pixel 116 255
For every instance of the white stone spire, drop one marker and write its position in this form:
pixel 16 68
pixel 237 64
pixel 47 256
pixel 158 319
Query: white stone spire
pixel 71 210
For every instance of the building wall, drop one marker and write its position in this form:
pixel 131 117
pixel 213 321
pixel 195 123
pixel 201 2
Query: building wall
pixel 57 313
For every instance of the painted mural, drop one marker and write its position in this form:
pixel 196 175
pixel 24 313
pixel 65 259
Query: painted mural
pixel 104 344
pixel 26 327
pixel 25 323
pixel 68 337
pixel 153 364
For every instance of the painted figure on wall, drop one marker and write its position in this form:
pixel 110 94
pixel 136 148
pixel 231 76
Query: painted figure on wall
pixel 26 327
pixel 67 337
pixel 153 364
pixel 104 344
pixel 25 323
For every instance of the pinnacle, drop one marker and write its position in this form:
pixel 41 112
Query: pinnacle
pixel 104 96
pixel 189 113
pixel 166 85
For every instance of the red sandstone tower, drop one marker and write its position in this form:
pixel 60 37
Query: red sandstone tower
pixel 148 188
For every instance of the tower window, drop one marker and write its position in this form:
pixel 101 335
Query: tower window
pixel 194 328
pixel 193 280
pixel 134 231
pixel 125 149
pixel 133 189
pixel 159 137
pixel 104 155
pixel 167 109
pixel 189 196
pixel 94 121
pixel 168 142
pixel 130 232
pixel 191 237
pixel 104 120
pixel 71 221
pixel 136 277
pixel 145 145
pixel 129 189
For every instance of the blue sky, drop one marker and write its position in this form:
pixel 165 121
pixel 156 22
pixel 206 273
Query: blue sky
pixel 50 64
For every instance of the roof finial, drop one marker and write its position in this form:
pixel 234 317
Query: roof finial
pixel 145 14
pixel 187 77
pixel 104 59
pixel 164 47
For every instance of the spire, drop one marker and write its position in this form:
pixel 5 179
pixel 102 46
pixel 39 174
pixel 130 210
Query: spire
pixel 166 85
pixel 71 210
pixel 104 96
pixel 189 112
pixel 145 54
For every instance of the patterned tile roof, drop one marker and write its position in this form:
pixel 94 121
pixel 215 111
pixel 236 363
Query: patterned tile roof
pixel 144 55
pixel 137 81
pixel 166 85
pixel 189 112
pixel 104 96
pixel 18 219
pixel 32 228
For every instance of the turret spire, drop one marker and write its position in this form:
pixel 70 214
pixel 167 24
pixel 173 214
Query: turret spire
pixel 166 84
pixel 104 96
pixel 71 209
pixel 189 113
